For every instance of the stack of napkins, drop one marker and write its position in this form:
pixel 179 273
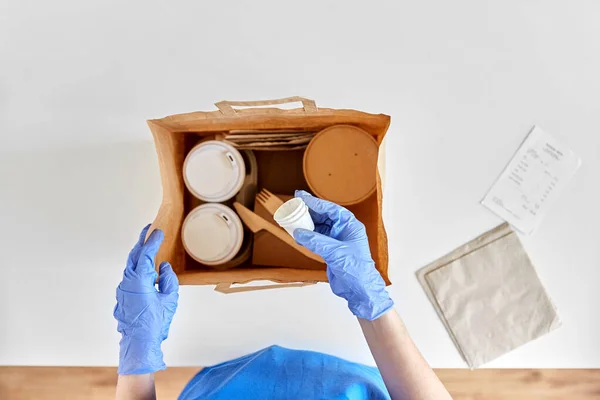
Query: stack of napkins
pixel 272 140
pixel 489 296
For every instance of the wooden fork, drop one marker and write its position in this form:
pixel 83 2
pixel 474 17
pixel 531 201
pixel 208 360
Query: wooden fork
pixel 269 201
pixel 256 223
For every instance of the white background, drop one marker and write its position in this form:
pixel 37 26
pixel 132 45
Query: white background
pixel 464 81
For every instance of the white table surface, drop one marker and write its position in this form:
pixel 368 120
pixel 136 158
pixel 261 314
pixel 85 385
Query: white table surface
pixel 464 81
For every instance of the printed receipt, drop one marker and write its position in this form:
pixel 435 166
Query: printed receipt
pixel 531 182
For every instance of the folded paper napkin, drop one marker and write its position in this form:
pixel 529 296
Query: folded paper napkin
pixel 489 296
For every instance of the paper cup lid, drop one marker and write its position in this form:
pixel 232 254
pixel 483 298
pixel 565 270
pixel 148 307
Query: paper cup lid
pixel 214 171
pixel 340 164
pixel 212 234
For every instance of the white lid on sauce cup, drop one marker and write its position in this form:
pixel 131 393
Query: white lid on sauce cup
pixel 212 234
pixel 214 171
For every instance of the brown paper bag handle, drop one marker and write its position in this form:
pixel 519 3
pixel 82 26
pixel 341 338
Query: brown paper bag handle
pixel 226 287
pixel 226 107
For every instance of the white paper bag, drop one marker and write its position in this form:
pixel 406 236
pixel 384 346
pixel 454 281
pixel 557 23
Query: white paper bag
pixel 489 296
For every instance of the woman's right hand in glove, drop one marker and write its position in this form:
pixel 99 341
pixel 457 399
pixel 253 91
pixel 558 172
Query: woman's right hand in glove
pixel 342 241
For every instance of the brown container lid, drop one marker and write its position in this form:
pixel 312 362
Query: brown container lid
pixel 340 164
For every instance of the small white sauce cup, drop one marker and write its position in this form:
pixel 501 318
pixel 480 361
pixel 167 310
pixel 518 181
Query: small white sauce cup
pixel 293 214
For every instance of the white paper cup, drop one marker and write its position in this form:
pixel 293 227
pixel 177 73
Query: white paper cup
pixel 293 214
pixel 212 234
pixel 214 171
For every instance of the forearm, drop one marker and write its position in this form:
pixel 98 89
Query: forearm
pixel 136 387
pixel 404 370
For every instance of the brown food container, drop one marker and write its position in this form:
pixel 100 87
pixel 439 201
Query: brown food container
pixel 343 176
pixel 278 171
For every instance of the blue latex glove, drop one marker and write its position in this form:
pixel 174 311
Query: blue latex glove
pixel 143 313
pixel 342 241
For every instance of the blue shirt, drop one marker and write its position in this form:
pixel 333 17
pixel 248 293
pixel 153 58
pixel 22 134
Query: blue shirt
pixel 280 373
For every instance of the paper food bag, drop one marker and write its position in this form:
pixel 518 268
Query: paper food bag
pixel 489 296
pixel 279 171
